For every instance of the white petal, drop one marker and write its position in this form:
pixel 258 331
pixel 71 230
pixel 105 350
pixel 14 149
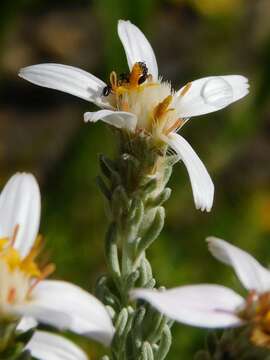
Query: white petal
pixel 250 272
pixel 210 306
pixel 26 324
pixel 209 94
pixel 20 205
pixel 46 346
pixel 119 119
pixel 137 47
pixel 202 185
pixel 68 79
pixel 66 306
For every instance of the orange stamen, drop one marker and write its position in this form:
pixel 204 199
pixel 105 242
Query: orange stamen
pixel 135 74
pixel 162 107
pixel 34 252
pixel 46 272
pixel 185 89
pixel 14 235
pixel 11 295
pixel 178 123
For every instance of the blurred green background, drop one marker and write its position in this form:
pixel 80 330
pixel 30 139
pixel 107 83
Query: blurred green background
pixel 42 131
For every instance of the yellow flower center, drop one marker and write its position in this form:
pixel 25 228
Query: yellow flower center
pixel 19 276
pixel 257 313
pixel 13 258
pixel 149 100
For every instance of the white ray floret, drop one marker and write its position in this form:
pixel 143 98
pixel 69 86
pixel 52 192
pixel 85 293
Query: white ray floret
pixel 46 346
pixel 249 271
pixel 68 79
pixel 137 47
pixel 201 182
pixel 210 94
pixel 210 306
pixel 132 104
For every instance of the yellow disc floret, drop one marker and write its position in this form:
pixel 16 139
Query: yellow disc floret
pixel 152 101
pixel 13 259
pixel 257 314
pixel 19 275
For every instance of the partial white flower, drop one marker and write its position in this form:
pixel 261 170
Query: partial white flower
pixel 215 306
pixel 201 183
pixel 46 346
pixel 68 79
pixel 249 271
pixel 119 119
pixel 79 311
pixel 23 290
pixel 137 47
pixel 20 211
pixel 26 323
pixel 210 94
pixel 210 306
pixel 142 101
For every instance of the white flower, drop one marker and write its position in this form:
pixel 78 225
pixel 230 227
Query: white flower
pixel 215 306
pixel 23 290
pixel 47 346
pixel 142 101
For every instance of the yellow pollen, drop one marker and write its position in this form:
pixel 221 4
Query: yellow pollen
pixel 3 243
pixel 259 338
pixel 257 314
pixel 185 89
pixel 13 259
pixel 119 87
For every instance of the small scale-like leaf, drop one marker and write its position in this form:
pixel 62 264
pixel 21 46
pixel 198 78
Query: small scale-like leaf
pixel 153 231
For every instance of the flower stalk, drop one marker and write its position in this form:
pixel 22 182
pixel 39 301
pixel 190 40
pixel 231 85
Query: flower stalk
pixel 13 342
pixel 135 189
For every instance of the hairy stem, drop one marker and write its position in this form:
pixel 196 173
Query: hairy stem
pixel 134 186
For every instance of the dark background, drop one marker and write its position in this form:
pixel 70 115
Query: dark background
pixel 42 131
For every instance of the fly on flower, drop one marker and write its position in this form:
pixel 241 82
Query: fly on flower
pixel 215 306
pixel 141 101
pixel 24 292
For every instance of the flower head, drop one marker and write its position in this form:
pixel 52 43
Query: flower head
pixel 23 290
pixel 141 102
pixel 215 306
pixel 19 242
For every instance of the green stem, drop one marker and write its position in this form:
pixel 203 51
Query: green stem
pixel 12 342
pixel 134 186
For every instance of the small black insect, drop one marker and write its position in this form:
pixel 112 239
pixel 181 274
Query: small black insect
pixel 124 77
pixel 106 90
pixel 144 75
